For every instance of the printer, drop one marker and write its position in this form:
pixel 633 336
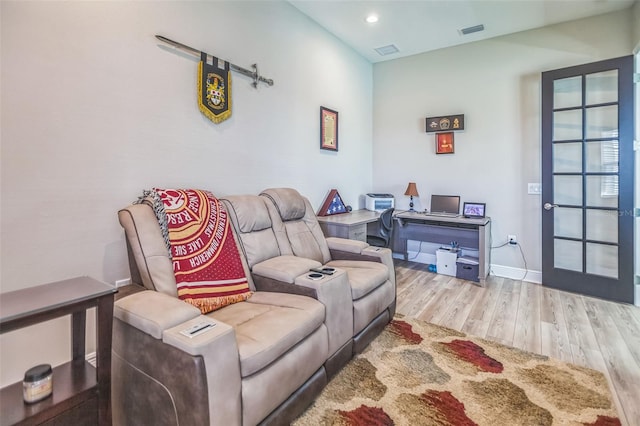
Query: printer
pixel 379 202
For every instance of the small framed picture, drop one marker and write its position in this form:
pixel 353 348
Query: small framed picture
pixel 446 123
pixel 444 143
pixel 328 129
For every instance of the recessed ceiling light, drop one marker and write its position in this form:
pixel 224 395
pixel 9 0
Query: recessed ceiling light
pixel 372 19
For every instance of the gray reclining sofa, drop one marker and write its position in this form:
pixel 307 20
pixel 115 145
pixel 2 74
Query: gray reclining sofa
pixel 266 358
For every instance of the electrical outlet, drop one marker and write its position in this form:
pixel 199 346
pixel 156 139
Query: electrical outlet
pixel 512 239
pixel 123 282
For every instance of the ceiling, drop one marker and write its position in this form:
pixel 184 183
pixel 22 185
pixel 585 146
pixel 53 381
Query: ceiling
pixel 422 25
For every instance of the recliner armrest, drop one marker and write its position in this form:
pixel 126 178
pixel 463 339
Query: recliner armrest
pixel 349 248
pixel 334 292
pixel 344 249
pixel 343 244
pixel 153 312
pixel 219 349
pixel 386 257
pixel 164 317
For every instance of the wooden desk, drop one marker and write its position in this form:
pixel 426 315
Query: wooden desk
pixel 474 234
pixel 81 393
pixel 351 225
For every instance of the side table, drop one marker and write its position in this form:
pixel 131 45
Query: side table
pixel 81 393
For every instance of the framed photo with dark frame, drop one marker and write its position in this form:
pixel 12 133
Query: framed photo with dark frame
pixel 445 123
pixel 444 143
pixel 328 129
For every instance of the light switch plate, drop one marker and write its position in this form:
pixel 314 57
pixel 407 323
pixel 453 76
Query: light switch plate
pixel 534 188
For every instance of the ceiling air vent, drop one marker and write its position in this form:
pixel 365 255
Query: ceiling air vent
pixel 387 50
pixel 471 30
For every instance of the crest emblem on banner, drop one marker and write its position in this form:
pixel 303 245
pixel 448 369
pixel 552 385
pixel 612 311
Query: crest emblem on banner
pixel 214 87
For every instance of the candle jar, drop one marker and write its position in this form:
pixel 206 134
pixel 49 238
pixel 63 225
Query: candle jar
pixel 37 384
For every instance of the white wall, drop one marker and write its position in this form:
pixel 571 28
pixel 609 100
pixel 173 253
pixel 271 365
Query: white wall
pixel 496 84
pixel 95 109
pixel 635 19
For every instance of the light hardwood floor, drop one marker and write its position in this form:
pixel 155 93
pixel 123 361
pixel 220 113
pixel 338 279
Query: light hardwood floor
pixel 582 330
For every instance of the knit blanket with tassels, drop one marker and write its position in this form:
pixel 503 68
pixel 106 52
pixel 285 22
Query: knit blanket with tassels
pixel 206 260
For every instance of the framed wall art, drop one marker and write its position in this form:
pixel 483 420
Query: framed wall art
pixel 447 123
pixel 444 143
pixel 328 129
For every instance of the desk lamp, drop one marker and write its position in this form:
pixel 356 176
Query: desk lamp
pixel 411 191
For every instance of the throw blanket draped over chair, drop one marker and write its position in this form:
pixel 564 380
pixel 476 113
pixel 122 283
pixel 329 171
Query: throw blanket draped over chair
pixel 206 260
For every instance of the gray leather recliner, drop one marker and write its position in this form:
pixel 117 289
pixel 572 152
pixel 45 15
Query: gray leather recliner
pixel 274 267
pixel 262 363
pixel 370 270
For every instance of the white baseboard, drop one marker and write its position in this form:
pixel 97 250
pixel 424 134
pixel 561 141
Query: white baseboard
pixel 497 270
pixel 637 302
pixel 518 274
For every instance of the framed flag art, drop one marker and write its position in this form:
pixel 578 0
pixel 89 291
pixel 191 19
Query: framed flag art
pixel 333 204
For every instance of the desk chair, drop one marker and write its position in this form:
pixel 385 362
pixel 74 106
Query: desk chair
pixel 385 225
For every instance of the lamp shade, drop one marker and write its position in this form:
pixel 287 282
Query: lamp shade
pixel 412 190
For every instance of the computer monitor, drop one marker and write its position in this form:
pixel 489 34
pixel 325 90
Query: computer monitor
pixel 445 204
pixel 473 210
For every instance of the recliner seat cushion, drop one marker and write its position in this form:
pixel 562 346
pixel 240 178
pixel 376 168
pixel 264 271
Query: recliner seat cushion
pixel 270 324
pixel 364 276
pixel 285 268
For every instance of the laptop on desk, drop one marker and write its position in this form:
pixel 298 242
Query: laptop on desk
pixel 445 206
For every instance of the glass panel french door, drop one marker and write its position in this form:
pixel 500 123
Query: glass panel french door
pixel 587 179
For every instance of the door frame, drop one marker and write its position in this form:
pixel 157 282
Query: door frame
pixel 621 289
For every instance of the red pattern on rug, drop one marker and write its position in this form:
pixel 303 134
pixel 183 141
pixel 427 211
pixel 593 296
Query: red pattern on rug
pixel 366 416
pixel 605 421
pixel 452 379
pixel 404 330
pixel 450 410
pixel 474 354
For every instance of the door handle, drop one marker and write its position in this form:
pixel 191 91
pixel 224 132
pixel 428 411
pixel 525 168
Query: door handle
pixel 549 206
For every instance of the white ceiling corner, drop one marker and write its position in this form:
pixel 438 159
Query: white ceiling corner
pixel 417 26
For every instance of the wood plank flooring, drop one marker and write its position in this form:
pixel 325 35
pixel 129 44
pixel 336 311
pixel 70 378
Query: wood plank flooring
pixel 582 330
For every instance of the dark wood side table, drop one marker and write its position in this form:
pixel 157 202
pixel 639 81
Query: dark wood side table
pixel 81 393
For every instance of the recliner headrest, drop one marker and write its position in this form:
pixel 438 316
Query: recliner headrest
pixel 250 212
pixel 289 203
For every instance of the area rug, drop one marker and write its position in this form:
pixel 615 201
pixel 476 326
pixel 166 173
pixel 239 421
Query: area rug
pixel 416 373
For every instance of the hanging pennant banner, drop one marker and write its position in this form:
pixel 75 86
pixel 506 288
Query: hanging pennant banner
pixel 214 86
